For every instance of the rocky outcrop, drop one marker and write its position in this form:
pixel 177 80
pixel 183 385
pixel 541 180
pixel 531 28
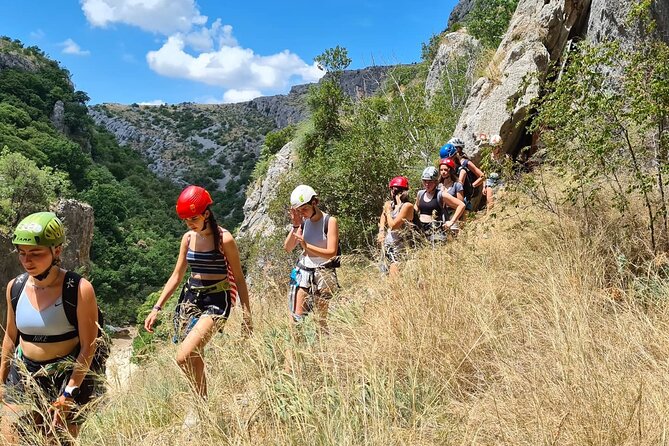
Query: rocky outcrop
pixel 58 117
pixel 499 103
pixel 292 108
pixel 285 109
pixel 608 21
pixel 457 51
pixel 256 221
pixel 459 13
pixel 365 82
pixel 14 59
pixel 78 220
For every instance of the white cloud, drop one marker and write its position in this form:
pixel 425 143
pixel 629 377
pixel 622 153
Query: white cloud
pixel 38 34
pixel 232 67
pixel 71 47
pixel 233 95
pixel 160 16
pixel 154 102
pixel 206 39
pixel 194 51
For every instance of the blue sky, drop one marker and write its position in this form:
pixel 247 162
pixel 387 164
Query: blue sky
pixel 208 51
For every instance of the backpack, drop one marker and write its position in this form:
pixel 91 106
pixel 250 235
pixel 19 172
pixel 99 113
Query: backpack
pixel 467 187
pixel 70 294
pixel 334 262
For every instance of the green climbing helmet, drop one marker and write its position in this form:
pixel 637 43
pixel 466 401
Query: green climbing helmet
pixel 40 229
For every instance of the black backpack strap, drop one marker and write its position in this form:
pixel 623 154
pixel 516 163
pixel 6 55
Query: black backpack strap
pixel 70 295
pixel 326 219
pixel 15 292
pixel 17 288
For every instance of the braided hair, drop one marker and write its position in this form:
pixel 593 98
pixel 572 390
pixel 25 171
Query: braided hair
pixel 211 221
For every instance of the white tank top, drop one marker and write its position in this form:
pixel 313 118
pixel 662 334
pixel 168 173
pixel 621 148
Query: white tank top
pixel 51 321
pixel 314 234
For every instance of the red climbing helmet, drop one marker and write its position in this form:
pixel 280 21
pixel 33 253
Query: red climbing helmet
pixel 193 201
pixel 402 182
pixel 448 161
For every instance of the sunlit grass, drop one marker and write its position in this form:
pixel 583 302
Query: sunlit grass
pixel 510 335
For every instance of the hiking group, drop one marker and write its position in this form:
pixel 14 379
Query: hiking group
pixel 53 350
pixel 437 211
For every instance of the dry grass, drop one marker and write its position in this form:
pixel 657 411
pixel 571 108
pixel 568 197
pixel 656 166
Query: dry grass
pixel 513 338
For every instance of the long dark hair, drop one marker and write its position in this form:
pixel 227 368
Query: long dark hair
pixel 404 197
pixel 211 221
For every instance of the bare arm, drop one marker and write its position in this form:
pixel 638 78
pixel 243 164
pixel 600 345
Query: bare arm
pixel 232 254
pixel 480 177
pixel 382 224
pixel 171 284
pixel 87 317
pixel 405 214
pixel 291 241
pixel 453 203
pixel 10 338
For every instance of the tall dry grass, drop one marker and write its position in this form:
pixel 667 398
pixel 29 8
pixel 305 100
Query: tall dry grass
pixel 519 333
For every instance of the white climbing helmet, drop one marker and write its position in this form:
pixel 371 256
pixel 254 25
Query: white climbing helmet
pixel 457 142
pixel 495 140
pixel 301 195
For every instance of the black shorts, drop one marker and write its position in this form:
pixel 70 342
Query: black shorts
pixel 193 305
pixel 39 384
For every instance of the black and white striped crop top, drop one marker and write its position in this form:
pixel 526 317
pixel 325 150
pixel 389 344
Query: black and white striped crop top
pixel 207 262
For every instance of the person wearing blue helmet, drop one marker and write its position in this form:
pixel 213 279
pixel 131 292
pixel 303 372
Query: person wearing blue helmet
pixel 448 150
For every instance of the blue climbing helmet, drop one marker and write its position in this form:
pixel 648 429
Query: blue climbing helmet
pixel 447 151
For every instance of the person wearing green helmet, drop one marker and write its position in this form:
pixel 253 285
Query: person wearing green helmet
pixel 46 352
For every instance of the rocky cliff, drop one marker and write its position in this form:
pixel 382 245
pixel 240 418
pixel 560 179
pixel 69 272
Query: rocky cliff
pixel 78 220
pixel 536 38
pixel 455 50
pixel 460 11
pixel 256 221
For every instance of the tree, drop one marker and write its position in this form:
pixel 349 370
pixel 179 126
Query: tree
pixel 25 188
pixel 489 20
pixel 326 98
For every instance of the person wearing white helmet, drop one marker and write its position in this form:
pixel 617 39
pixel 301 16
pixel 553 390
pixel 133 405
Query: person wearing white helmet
pixel 431 204
pixel 459 145
pixel 314 279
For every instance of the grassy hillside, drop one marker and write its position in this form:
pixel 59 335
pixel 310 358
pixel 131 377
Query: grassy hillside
pixel 524 331
pixel 215 146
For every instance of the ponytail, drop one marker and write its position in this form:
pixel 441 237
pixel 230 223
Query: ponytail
pixel 211 221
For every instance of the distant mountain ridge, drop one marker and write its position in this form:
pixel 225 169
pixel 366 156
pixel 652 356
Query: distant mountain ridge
pixel 217 145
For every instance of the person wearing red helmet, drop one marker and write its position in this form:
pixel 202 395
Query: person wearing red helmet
pixel 449 182
pixel 393 224
pixel 215 281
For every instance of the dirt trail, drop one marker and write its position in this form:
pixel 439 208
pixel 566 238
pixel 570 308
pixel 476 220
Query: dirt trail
pixel 119 367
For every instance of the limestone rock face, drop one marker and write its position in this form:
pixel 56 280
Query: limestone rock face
pixel 460 11
pixel 58 117
pixel 256 221
pixel 537 35
pixel 78 220
pixel 17 61
pixel 455 48
pixel 608 20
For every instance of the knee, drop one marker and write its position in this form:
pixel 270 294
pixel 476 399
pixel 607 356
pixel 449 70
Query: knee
pixel 185 358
